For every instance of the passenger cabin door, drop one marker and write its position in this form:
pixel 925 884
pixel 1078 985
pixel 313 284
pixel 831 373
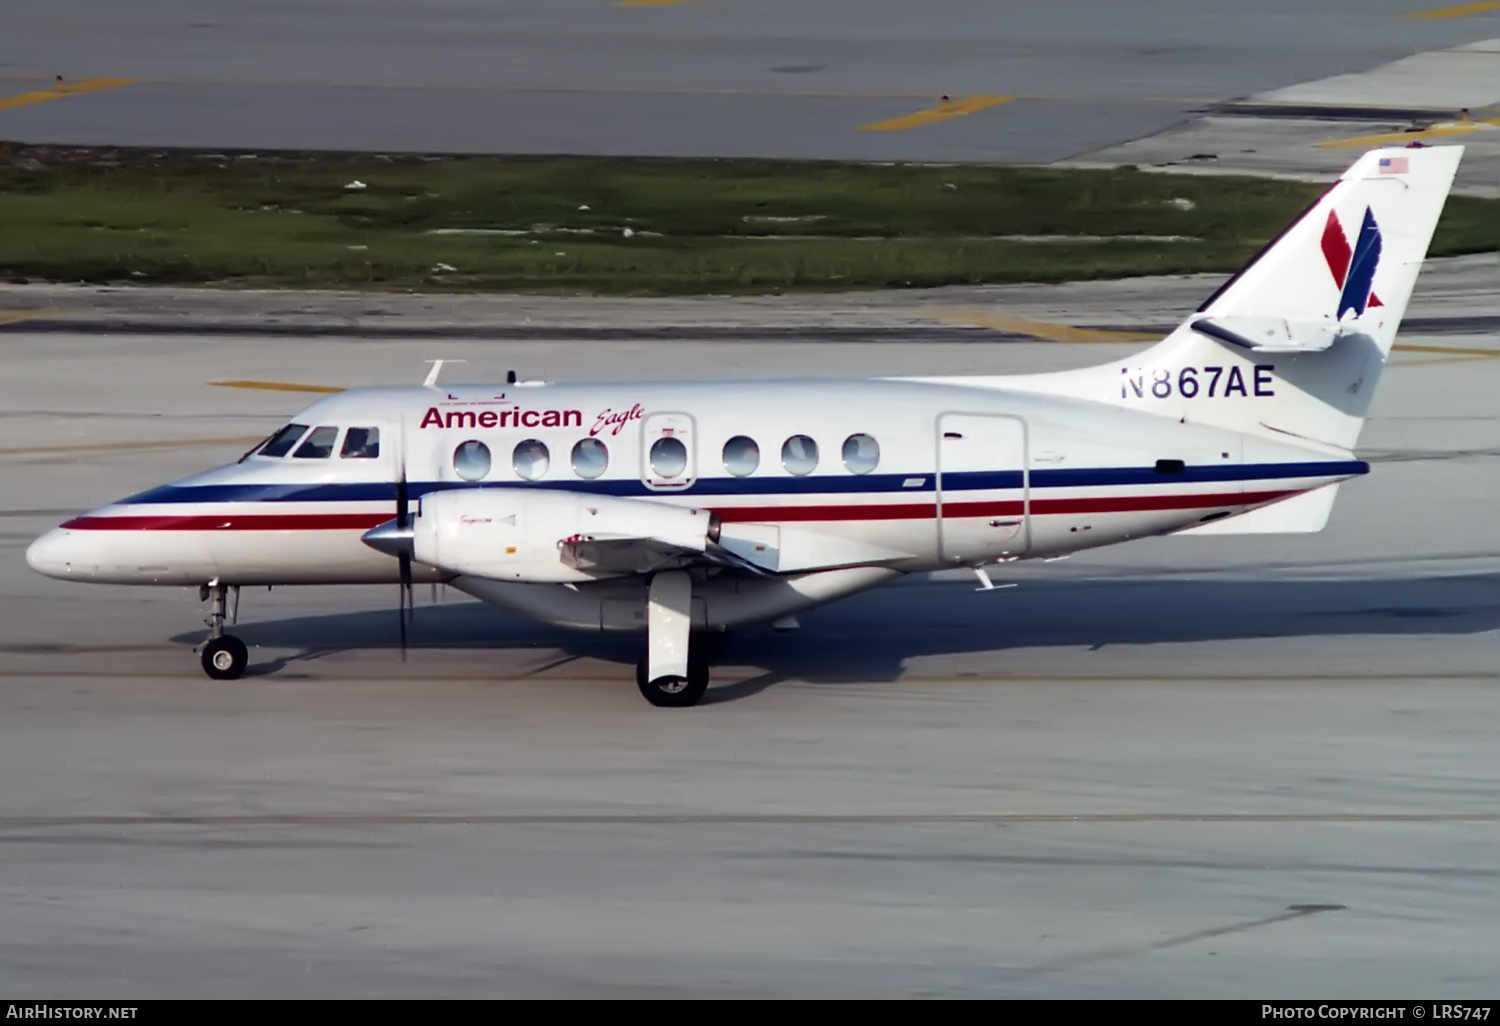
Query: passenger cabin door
pixel 983 488
pixel 669 456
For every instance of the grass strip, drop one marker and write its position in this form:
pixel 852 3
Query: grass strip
pixel 622 226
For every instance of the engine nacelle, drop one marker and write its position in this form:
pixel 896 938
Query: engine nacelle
pixel 536 535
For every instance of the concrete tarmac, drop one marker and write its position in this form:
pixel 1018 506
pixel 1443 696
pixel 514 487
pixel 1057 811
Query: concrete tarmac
pixel 699 78
pixel 1255 767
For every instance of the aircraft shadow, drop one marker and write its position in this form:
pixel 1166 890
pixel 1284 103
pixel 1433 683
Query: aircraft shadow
pixel 870 637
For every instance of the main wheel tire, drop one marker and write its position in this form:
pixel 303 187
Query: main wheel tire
pixel 697 676
pixel 674 692
pixel 225 657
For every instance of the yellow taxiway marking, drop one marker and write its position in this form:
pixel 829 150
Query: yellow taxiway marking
pixel 1446 350
pixel 61 90
pixel 85 447
pixel 15 316
pixel 1433 361
pixel 1435 132
pixel 1457 10
pixel 942 112
pixel 278 386
pixel 1050 332
pixel 1045 330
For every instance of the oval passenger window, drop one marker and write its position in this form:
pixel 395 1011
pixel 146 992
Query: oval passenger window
pixel 590 458
pixel 741 456
pixel 471 460
pixel 799 455
pixel 668 457
pixel 861 453
pixel 531 459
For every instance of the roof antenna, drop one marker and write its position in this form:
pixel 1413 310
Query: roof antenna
pixel 510 377
pixel 437 367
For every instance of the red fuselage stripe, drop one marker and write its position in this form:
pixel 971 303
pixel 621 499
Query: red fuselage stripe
pixel 234 522
pixel 729 514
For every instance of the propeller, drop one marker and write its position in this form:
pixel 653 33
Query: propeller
pixel 396 538
pixel 403 557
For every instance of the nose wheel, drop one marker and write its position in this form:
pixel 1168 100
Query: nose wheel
pixel 224 656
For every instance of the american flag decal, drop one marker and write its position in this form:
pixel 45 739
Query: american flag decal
pixel 1394 165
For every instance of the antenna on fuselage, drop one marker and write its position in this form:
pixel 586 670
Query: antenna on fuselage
pixel 437 368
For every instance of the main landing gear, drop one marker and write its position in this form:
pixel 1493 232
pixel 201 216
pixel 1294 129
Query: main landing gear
pixel 673 671
pixel 672 691
pixel 224 656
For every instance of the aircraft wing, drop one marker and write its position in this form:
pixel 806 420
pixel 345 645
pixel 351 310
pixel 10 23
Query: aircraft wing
pixel 642 555
pixel 759 549
pixel 563 537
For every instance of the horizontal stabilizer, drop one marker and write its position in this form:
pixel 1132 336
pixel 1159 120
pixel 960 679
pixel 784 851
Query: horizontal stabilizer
pixel 1270 334
pixel 1303 514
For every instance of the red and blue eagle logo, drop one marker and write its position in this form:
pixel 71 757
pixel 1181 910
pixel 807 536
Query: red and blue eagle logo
pixel 1353 266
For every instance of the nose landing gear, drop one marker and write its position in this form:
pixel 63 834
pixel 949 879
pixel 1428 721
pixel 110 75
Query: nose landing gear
pixel 224 656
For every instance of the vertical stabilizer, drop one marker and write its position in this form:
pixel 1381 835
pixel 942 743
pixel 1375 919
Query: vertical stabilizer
pixel 1351 261
pixel 1293 345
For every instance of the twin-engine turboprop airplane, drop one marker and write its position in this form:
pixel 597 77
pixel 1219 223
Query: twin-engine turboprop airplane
pixel 685 509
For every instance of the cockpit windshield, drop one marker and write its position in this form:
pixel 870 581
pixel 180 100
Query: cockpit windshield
pixel 361 444
pixel 282 441
pixel 319 444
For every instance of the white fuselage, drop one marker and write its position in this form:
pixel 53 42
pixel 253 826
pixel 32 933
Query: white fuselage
pixel 938 475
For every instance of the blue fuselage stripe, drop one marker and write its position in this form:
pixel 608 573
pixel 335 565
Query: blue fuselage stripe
pixel 870 484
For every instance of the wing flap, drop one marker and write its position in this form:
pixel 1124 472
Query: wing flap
pixel 593 553
pixel 756 548
pixel 786 550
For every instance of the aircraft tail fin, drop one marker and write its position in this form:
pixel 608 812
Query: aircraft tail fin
pixel 1347 265
pixel 1293 345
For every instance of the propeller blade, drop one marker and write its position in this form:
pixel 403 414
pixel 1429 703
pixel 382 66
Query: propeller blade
pixel 403 522
pixel 406 599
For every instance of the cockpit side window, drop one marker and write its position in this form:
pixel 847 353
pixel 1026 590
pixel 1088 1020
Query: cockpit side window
pixel 319 444
pixel 361 444
pixel 282 441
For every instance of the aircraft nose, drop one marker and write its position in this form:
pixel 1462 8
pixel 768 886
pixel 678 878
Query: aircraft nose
pixel 52 554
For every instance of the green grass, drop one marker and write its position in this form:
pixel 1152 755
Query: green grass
pixel 696 226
